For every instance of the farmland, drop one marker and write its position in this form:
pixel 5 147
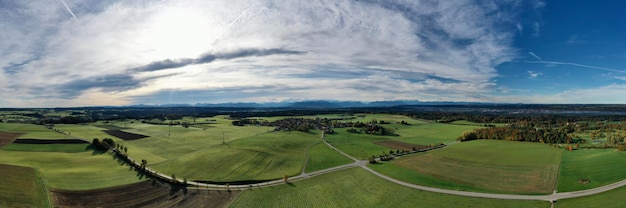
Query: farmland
pixel 500 167
pixel 73 171
pixel 142 194
pixel 358 188
pixel 218 151
pixel 601 167
pixel 322 157
pixel 263 157
pixel 8 138
pixel 610 198
pixel 21 187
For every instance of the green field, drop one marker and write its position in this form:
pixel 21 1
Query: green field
pixel 217 151
pixel 482 165
pixel 32 131
pixel 321 157
pixel 601 167
pixel 21 187
pixel 358 188
pixel 68 148
pixel 362 146
pixel 89 132
pixel 262 157
pixel 607 199
pixel 74 171
pixel 431 133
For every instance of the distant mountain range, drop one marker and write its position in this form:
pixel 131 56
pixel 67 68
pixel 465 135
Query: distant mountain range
pixel 311 104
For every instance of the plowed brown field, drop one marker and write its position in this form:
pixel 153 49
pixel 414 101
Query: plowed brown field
pixel 8 137
pixel 142 194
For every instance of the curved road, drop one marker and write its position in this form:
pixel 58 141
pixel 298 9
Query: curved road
pixel 363 164
pixel 552 197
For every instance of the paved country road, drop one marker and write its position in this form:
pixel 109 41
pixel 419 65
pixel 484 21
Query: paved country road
pixel 363 164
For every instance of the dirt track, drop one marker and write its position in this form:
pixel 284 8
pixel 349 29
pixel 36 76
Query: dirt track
pixel 142 194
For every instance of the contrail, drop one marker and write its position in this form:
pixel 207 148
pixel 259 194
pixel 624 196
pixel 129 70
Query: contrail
pixel 68 9
pixel 575 64
pixel 533 54
pixel 237 19
pixel 232 22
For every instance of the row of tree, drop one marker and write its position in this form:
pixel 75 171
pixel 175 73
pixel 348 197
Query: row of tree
pixel 520 133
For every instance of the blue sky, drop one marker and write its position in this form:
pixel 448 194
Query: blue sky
pixel 62 53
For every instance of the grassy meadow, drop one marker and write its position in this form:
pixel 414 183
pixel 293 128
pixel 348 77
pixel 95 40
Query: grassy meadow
pixel 67 148
pixel 482 165
pixel 321 157
pixel 215 150
pixel 419 132
pixel 607 199
pixel 73 171
pixel 356 187
pixel 261 157
pixel 32 131
pixel 601 167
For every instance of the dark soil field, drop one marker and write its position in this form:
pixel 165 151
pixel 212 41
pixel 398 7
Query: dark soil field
pixel 50 141
pixel 397 145
pixel 8 138
pixel 142 194
pixel 124 135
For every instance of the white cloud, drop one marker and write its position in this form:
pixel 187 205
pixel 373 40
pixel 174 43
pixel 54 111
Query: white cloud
pixel 534 74
pixel 367 49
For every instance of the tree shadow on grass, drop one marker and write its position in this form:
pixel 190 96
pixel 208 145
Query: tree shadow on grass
pixel 291 184
pixel 94 149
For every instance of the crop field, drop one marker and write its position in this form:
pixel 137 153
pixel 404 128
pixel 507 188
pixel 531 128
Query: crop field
pixel 263 157
pixel 109 126
pixel 68 148
pixel 73 171
pixel 321 157
pixel 610 198
pixel 601 167
pixel 86 132
pixel 8 138
pixel 185 140
pixel 362 146
pixel 124 135
pixel 399 145
pixel 484 165
pixel 356 187
pixel 31 131
pixel 142 194
pixel 21 187
pixel 431 133
pixel 89 132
